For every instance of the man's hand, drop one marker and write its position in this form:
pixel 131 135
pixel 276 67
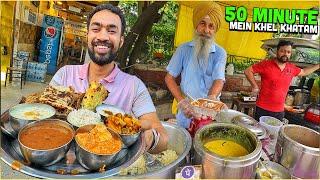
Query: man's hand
pixel 149 123
pixel 255 91
pixel 186 107
pixel 214 98
pixel 148 135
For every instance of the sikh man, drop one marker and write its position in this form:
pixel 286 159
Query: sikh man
pixel 201 63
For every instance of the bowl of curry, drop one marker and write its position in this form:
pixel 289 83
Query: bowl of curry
pixel 45 142
pixel 98 147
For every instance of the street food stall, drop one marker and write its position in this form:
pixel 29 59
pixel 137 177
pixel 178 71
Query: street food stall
pixel 60 133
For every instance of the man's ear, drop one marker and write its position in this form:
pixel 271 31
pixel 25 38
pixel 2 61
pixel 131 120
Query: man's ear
pixel 121 41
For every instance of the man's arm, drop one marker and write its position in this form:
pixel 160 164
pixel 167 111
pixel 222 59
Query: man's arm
pixel 151 121
pixel 308 70
pixel 215 89
pixel 250 76
pixel 173 87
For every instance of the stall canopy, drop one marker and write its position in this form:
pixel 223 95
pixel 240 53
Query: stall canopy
pixel 237 43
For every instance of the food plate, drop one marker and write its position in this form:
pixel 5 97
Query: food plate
pixel 6 126
pixel 114 109
pixel 11 155
pixel 33 111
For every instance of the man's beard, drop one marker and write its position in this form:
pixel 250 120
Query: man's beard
pixel 102 59
pixel 202 46
pixel 283 59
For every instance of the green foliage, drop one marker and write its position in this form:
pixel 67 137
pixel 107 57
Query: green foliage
pixel 162 33
pixel 130 10
pixel 161 37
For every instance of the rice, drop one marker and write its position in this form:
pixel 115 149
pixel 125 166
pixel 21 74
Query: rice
pixel 167 157
pixel 83 117
pixel 136 168
pixel 139 166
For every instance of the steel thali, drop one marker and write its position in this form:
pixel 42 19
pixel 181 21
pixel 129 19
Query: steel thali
pixel 68 167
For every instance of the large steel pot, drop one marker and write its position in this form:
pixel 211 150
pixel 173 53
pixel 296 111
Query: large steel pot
pixel 297 149
pixel 218 167
pixel 179 141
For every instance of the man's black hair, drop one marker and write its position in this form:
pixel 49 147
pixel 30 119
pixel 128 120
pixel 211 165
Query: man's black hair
pixel 114 9
pixel 284 43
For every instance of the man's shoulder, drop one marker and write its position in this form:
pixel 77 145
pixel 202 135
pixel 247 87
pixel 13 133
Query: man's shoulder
pixel 292 65
pixel 129 77
pixel 266 61
pixel 220 49
pixel 72 67
pixel 188 44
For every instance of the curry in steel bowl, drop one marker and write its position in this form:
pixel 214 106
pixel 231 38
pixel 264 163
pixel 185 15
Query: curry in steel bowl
pixel 99 140
pixel 45 142
pixel 45 136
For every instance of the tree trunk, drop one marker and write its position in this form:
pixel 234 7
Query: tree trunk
pixel 140 41
pixel 146 19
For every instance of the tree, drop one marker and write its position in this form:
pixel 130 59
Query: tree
pixel 138 33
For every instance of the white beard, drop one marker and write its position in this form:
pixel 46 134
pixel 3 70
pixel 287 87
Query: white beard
pixel 202 48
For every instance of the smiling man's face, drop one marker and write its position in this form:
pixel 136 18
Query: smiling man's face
pixel 104 37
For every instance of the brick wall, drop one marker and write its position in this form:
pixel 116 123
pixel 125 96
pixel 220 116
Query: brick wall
pixel 235 83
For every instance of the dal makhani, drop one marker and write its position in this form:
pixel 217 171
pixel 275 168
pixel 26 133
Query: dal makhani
pixel 99 141
pixel 226 148
pixel 46 136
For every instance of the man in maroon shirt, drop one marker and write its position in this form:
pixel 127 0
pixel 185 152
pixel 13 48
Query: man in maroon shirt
pixel 276 75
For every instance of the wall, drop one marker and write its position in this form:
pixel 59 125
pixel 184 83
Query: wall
pixel 7 14
pixel 28 34
pixel 155 76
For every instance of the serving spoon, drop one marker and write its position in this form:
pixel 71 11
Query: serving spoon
pixel 272 176
pixel 152 163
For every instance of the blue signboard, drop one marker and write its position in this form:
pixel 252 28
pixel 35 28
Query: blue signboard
pixel 50 41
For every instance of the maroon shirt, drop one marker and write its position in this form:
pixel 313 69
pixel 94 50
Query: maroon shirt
pixel 274 84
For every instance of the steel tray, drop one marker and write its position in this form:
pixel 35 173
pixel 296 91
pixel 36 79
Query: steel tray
pixel 11 155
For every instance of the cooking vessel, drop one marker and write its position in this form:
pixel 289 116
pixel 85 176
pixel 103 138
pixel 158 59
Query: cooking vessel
pixel 301 97
pixel 218 167
pixel 297 149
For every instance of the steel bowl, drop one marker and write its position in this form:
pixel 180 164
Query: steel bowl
pixel 130 139
pixel 49 156
pixel 92 161
pixel 18 121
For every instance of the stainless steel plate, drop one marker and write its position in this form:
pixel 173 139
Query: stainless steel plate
pixel 114 109
pixel 12 156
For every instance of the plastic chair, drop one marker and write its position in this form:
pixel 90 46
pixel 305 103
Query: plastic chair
pixel 19 68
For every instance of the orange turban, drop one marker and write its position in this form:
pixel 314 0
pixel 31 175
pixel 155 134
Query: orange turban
pixel 211 9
